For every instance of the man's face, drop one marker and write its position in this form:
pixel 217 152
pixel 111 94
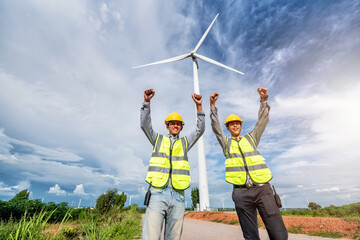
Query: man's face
pixel 174 127
pixel 234 128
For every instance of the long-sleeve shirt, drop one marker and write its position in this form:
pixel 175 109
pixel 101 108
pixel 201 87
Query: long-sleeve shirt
pixel 263 119
pixel 146 126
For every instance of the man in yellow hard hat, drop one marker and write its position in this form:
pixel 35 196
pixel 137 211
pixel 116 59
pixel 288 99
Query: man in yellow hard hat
pixel 247 171
pixel 169 171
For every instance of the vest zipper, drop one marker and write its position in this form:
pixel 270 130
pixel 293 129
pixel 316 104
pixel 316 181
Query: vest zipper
pixel 170 173
pixel 248 177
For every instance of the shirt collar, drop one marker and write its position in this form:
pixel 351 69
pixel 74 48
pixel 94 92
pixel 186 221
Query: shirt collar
pixel 172 137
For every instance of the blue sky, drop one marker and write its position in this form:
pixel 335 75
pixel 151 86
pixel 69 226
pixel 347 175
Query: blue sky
pixel 70 100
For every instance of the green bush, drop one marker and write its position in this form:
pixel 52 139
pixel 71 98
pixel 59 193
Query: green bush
pixel 350 211
pixel 109 200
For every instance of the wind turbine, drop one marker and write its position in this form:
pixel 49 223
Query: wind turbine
pixel 203 184
pixel 131 196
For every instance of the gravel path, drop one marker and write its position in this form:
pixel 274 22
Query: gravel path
pixel 203 230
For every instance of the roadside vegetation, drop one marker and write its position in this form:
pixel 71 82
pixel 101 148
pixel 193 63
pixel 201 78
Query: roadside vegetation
pixel 344 221
pixel 348 212
pixel 21 218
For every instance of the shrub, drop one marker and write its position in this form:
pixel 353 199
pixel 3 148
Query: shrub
pixel 314 206
pixel 110 199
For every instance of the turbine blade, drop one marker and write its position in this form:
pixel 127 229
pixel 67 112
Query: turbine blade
pixel 178 58
pixel 204 36
pixel 215 62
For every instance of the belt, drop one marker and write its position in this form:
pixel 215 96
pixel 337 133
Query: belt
pixel 253 185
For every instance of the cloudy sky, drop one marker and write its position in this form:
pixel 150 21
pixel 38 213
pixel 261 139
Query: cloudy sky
pixel 70 100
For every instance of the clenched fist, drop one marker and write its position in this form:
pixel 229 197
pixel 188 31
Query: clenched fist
pixel 213 97
pixel 197 98
pixel 148 95
pixel 263 92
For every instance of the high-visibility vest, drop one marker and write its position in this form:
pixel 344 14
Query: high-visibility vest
pixel 237 168
pixel 166 160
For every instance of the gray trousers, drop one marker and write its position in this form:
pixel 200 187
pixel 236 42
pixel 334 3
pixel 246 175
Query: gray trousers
pixel 261 198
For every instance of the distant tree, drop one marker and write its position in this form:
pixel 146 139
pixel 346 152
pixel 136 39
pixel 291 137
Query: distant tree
pixel 120 200
pixel 110 199
pixel 24 194
pixel 195 196
pixel 314 206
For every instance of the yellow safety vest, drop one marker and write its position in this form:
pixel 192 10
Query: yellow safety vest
pixel 254 164
pixel 166 160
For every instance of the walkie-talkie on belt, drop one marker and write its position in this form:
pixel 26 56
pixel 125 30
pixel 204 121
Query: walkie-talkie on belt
pixel 277 198
pixel 147 196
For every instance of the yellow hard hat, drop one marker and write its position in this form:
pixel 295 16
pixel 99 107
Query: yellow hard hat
pixel 173 117
pixel 233 118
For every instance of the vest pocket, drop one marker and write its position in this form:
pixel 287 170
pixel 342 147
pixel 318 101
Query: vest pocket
pixel 232 162
pixel 157 174
pixel 183 164
pixel 257 159
pixel 157 161
pixel 180 181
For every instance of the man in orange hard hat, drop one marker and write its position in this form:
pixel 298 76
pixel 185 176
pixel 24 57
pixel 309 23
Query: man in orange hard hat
pixel 247 172
pixel 169 171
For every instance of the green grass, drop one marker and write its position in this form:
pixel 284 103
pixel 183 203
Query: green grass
pixel 356 236
pixel 296 229
pixel 327 234
pixel 217 220
pixel 232 222
pixel 116 225
pixel 350 211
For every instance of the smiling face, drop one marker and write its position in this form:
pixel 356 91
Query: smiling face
pixel 174 127
pixel 234 128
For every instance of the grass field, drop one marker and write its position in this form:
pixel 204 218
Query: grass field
pixel 124 225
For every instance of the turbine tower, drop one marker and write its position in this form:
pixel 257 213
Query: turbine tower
pixel 203 184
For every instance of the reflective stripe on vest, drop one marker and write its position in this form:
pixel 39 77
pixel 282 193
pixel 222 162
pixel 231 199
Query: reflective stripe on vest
pixel 236 166
pixel 166 157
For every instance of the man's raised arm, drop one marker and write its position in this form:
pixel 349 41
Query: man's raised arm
pixel 263 116
pixel 145 117
pixel 200 122
pixel 215 123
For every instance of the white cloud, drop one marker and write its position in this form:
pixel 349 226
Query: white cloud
pixel 346 197
pixel 104 12
pixel 79 190
pixel 13 190
pixel 5 190
pixel 333 189
pixel 56 190
pixel 22 185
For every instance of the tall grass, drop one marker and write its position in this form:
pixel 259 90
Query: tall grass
pixel 90 225
pixel 29 227
pixel 116 225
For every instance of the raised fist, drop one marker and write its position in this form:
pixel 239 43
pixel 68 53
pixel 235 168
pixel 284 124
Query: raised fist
pixel 197 98
pixel 148 95
pixel 213 97
pixel 263 92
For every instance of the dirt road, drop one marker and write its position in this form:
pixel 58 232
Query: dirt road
pixel 203 230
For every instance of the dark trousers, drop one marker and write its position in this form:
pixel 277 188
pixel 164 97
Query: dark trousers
pixel 247 200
